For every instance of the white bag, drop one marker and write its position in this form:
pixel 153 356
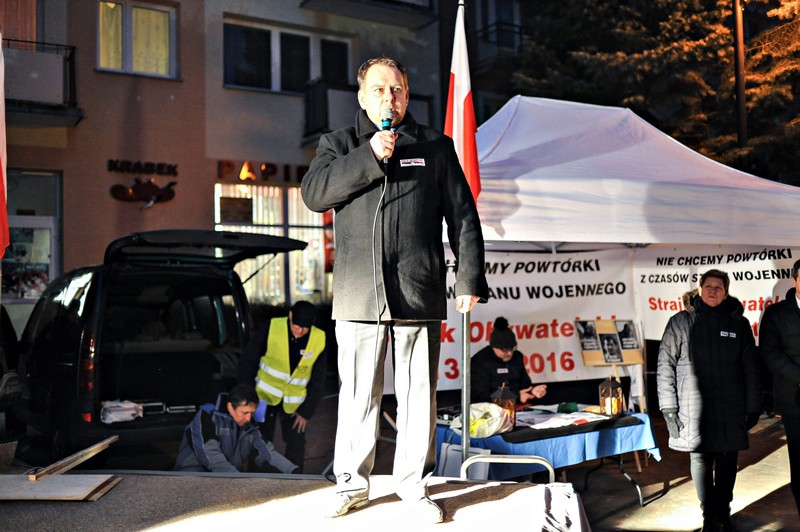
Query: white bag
pixel 449 464
pixel 485 419
pixel 115 411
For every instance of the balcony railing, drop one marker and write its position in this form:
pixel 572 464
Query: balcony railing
pixel 40 85
pixel 333 106
pixel 328 107
pixel 412 14
pixel 497 40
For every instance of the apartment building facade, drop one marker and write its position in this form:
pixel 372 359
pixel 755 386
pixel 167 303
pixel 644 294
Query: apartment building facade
pixel 136 115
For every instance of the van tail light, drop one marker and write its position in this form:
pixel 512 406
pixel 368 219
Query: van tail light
pixel 87 417
pixel 87 371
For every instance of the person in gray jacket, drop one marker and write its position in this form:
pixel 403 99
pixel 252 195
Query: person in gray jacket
pixel 224 438
pixel 709 391
pixel 392 183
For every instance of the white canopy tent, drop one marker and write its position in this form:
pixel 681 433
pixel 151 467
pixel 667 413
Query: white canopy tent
pixel 564 175
pixel 567 176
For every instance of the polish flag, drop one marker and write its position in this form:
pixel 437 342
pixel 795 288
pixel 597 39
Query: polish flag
pixel 4 241
pixel 459 122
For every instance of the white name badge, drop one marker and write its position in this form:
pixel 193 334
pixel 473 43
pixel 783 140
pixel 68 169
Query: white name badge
pixel 411 162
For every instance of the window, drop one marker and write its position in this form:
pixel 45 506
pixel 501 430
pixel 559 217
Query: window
pixel 500 20
pixel 278 211
pixel 137 38
pixel 334 62
pixel 295 62
pixel 247 57
pixel 270 58
pixel 55 326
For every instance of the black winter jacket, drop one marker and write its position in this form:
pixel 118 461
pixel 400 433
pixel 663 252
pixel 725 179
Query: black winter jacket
pixel 425 186
pixel 779 344
pixel 708 372
pixel 488 372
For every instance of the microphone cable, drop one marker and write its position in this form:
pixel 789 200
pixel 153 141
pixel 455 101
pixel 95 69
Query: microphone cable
pixel 375 260
pixel 386 123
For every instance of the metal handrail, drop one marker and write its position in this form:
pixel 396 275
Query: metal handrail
pixel 496 39
pixel 508 459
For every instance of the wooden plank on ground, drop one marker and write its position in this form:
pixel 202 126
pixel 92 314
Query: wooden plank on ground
pixel 103 488
pixel 72 460
pixel 52 487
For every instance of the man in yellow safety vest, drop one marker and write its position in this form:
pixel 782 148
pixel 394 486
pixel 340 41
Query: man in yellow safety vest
pixel 285 360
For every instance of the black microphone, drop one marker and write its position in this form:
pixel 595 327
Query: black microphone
pixel 386 124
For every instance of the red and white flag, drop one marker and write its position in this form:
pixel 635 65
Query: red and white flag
pixel 3 209
pixel 459 122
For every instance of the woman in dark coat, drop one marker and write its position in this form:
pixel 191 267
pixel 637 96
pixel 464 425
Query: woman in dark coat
pixel 709 391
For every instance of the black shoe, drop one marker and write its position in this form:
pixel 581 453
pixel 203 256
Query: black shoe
pixel 726 524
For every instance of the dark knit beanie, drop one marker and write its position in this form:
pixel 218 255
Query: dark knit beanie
pixel 304 314
pixel 502 337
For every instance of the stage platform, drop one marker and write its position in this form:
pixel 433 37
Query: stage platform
pixel 147 501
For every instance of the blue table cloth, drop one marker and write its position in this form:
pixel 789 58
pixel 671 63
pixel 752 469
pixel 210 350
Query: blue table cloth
pixel 562 451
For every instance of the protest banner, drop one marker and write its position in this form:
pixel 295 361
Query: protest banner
pixel 547 299
pixel 541 296
pixel 759 277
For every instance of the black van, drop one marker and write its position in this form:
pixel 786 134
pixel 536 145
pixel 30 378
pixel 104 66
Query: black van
pixel 152 333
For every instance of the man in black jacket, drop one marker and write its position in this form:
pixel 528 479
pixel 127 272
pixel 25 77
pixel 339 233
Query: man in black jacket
pixel 779 344
pixel 498 363
pixel 392 182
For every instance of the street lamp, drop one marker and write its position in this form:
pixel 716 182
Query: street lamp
pixel 738 46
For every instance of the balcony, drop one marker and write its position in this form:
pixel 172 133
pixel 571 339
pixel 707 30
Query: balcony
pixel 330 107
pixel 411 14
pixel 40 84
pixel 496 46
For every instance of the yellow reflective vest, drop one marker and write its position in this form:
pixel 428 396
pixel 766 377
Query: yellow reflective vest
pixel 274 383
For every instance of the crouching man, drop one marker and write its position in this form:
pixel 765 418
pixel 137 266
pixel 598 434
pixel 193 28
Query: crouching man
pixel 223 437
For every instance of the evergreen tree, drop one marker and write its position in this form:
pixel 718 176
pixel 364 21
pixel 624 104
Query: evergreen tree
pixel 672 62
pixel 773 109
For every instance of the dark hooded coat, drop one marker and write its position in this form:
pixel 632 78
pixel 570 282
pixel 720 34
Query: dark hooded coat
pixel 488 372
pixel 779 344
pixel 708 371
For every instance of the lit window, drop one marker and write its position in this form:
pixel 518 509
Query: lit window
pixel 137 38
pixel 278 211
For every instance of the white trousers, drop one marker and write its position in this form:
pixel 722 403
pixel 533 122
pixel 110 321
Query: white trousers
pixel 362 352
